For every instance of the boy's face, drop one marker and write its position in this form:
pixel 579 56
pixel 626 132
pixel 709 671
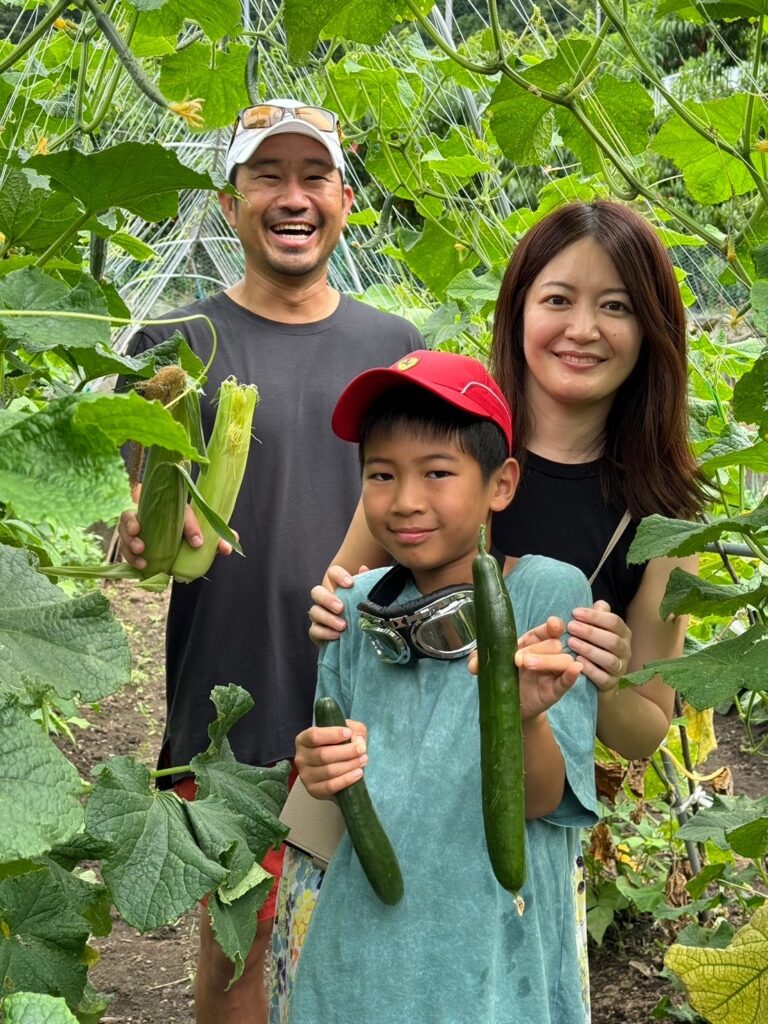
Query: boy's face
pixel 424 501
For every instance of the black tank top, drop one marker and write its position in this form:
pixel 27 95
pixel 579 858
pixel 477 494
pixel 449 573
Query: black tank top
pixel 559 511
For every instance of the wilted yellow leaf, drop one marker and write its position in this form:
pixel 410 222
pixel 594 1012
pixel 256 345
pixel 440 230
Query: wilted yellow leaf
pixel 727 986
pixel 701 731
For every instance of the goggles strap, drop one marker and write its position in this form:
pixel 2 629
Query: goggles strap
pixel 391 585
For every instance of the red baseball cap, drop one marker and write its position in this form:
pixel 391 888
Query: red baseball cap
pixel 459 380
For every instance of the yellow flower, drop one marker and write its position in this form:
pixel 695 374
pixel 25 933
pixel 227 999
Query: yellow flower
pixel 761 146
pixel 191 111
pixel 65 25
pixel 41 149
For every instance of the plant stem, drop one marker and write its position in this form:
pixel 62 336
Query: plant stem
pixel 746 134
pixel 498 39
pixel 127 59
pixel 63 238
pixel 437 39
pixel 39 30
pixel 161 773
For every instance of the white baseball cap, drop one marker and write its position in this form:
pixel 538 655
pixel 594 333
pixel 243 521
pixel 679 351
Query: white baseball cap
pixel 246 141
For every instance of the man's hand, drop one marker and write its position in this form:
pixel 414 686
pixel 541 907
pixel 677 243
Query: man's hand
pixel 131 546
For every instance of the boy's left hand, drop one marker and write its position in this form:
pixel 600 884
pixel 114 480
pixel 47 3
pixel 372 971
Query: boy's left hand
pixel 547 671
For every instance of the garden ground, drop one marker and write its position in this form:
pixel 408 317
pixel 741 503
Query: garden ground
pixel 151 976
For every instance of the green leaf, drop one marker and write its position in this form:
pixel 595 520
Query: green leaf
pixel 689 595
pixel 42 941
pixel 156 870
pixel 474 289
pixel 53 643
pixel 223 18
pixel 717 8
pixel 727 985
pixel 52 471
pixel 234 924
pixel 32 769
pixel 759 300
pixel 144 178
pixel 218 76
pixel 364 21
pixel 32 289
pixel 34 1008
pixel 258 794
pixel 711 176
pixel 33 217
pixel 212 517
pixel 750 840
pixel 715 674
pixel 657 536
pixel 133 246
pixel 128 416
pixel 727 814
pixel 750 393
pixel 723 455
pixel 615 107
pixel 435 256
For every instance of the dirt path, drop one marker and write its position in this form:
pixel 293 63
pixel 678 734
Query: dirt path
pixel 151 976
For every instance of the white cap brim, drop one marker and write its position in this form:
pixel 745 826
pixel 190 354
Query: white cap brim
pixel 248 140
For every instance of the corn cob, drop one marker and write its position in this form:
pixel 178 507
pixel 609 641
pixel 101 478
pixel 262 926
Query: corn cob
pixel 219 481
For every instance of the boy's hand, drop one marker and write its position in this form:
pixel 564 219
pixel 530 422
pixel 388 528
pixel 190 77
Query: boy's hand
pixel 547 671
pixel 330 759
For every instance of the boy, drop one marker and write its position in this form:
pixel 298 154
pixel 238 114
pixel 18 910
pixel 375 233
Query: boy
pixel 435 435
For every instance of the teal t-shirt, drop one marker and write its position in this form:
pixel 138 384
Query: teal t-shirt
pixel 454 950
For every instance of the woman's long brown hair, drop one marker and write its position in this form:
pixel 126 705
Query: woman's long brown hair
pixel 647 461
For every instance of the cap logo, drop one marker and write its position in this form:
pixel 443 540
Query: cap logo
pixel 408 363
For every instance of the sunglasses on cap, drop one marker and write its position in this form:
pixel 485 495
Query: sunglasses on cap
pixel 266 115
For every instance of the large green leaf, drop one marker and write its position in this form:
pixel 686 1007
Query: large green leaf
pixel 727 986
pixel 218 76
pixel 716 8
pixel 144 178
pixel 687 594
pixel 711 176
pixel 128 416
pixel 32 289
pixel 50 470
pixel 749 393
pixel 223 18
pixel 32 771
pixel 364 21
pixel 42 940
pixel 258 794
pixel 657 536
pixel 30 216
pixel 156 870
pixel 726 815
pixel 234 924
pixel 35 1008
pixel 717 673
pixel 616 107
pixel 436 256
pixel 51 642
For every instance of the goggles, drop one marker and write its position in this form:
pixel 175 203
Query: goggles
pixel 267 115
pixel 438 625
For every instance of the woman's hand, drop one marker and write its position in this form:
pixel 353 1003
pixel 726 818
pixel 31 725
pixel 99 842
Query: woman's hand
pixel 330 759
pixel 324 615
pixel 602 642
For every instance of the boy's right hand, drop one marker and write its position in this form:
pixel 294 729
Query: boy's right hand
pixel 326 622
pixel 330 759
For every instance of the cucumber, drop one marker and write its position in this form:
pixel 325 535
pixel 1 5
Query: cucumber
pixel 501 731
pixel 371 842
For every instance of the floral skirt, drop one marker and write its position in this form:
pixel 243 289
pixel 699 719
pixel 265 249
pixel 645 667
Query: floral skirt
pixel 296 897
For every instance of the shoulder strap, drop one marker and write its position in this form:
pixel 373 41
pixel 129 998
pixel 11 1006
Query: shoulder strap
pixel 623 524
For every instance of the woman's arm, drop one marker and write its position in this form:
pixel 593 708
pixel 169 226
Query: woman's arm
pixel 358 551
pixel 634 721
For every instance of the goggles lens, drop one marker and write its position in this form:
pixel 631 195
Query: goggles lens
pixel 267 114
pixel 443 628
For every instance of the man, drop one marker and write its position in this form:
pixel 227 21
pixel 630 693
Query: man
pixel 285 329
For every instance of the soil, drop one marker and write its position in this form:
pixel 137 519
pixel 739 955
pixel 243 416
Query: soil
pixel 151 977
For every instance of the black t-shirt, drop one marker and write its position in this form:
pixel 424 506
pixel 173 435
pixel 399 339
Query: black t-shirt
pixel 559 511
pixel 246 623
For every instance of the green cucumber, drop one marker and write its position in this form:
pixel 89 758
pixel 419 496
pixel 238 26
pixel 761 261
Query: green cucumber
pixel 501 731
pixel 374 850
